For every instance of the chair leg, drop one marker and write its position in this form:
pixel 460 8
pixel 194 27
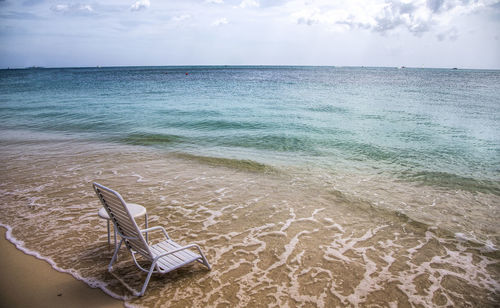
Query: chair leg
pixel 147 280
pixel 114 230
pixel 146 218
pixel 109 237
pixel 204 259
pixel 117 248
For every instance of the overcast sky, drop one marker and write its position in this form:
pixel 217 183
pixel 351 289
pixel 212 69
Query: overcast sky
pixel 419 33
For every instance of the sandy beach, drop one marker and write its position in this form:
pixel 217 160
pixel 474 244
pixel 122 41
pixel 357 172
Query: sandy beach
pixel 26 281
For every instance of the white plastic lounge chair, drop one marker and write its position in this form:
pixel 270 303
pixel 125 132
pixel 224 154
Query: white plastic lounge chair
pixel 165 256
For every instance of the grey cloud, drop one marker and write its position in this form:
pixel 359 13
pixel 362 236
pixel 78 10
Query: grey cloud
pixel 451 35
pixel 441 6
pixel 398 14
pixel 405 8
pixel 435 5
pixel 352 24
pixel 401 14
pixel 495 9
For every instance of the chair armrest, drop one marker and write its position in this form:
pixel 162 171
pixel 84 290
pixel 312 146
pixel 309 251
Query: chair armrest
pixel 156 229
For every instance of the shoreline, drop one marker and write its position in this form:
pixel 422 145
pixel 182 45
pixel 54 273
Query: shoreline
pixel 30 282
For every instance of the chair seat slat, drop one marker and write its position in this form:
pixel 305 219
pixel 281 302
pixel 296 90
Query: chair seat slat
pixel 174 260
pixel 183 254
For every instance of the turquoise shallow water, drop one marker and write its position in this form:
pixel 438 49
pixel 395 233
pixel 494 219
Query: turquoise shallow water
pixel 433 126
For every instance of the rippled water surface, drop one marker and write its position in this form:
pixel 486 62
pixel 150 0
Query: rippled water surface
pixel 304 186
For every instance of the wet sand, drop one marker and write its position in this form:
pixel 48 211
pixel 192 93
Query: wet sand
pixel 26 281
pixel 273 239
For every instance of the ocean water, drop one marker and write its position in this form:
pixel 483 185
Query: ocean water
pixel 319 186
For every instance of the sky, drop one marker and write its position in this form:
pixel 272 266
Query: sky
pixel 412 33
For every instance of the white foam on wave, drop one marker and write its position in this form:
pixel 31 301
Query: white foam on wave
pixel 32 201
pixel 475 273
pixel 257 279
pixel 333 224
pixel 139 177
pixel 489 247
pixel 373 275
pixel 221 190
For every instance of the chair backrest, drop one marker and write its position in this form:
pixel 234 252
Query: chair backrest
pixel 123 221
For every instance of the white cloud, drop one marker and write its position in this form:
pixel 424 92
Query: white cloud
pixel 86 7
pixel 416 16
pixel 249 4
pixel 181 17
pixel 72 8
pixel 220 22
pixel 140 5
pixel 61 8
pixel 215 1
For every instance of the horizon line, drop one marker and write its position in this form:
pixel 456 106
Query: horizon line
pixel 241 65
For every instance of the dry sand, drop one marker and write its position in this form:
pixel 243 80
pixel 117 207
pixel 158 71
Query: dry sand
pixel 26 281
